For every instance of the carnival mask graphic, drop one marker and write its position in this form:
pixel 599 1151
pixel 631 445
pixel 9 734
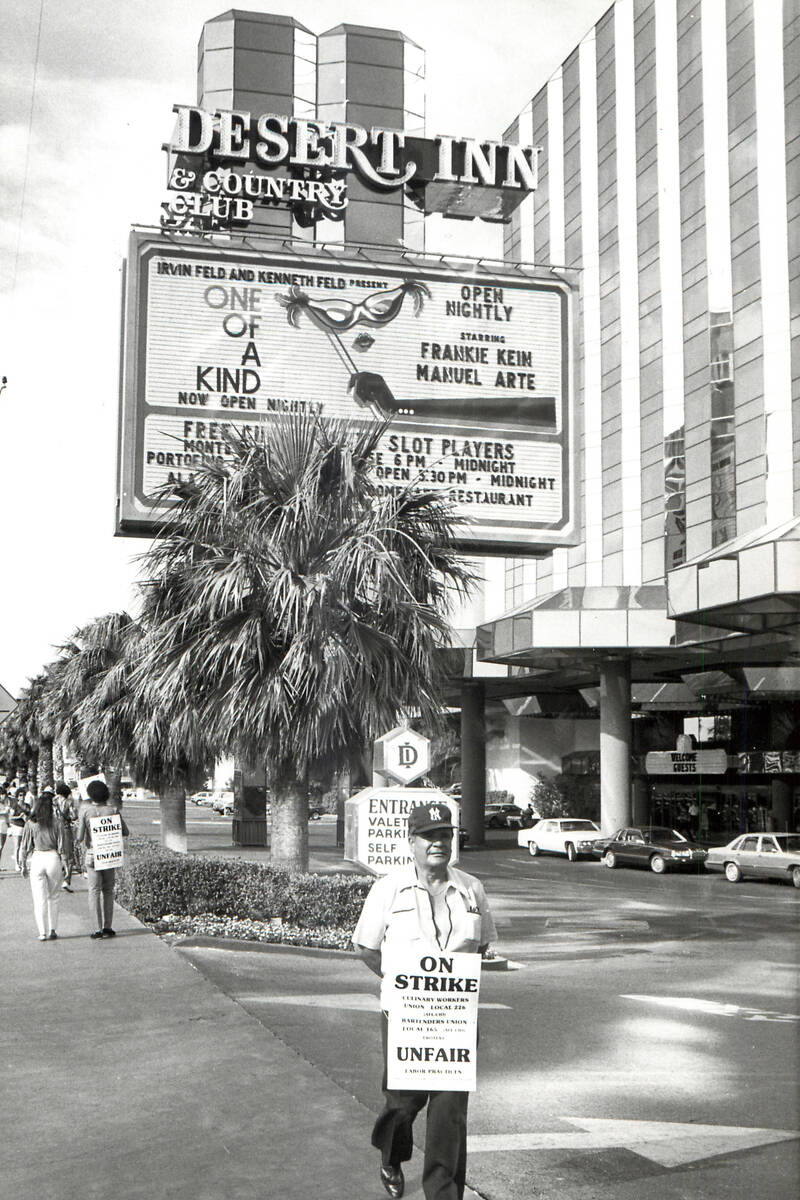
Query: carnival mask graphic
pixel 336 315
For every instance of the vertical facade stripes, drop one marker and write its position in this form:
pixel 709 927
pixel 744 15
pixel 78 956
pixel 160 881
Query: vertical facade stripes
pixel 774 258
pixel 555 127
pixel 791 69
pixel 628 254
pixel 569 565
pixel 694 265
pixel 670 179
pixel 590 312
pixel 651 343
pixel 610 309
pixel 672 477
pixel 751 463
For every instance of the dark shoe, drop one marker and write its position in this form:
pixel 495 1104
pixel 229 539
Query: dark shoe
pixel 53 935
pixel 98 933
pixel 392 1179
pixel 108 932
pixel 65 887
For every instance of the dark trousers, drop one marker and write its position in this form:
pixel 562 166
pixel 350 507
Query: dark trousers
pixel 445 1164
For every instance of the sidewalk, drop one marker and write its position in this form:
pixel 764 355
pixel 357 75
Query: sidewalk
pixel 128 1075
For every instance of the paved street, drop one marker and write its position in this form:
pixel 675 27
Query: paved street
pixel 645 1037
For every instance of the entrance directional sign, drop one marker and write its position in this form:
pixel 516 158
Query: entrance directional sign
pixel 376 825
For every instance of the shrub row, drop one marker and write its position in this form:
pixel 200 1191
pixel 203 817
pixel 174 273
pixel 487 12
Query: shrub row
pixel 155 882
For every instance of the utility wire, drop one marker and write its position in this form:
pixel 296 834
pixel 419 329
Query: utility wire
pixel 28 148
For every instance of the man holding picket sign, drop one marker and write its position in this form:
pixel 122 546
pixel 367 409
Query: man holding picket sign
pixel 101 830
pixel 423 928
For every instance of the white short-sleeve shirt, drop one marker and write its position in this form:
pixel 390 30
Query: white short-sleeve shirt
pixel 398 913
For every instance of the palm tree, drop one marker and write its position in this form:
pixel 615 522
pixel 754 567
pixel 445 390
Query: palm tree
pixel 112 721
pixel 86 658
pixel 17 753
pixel 165 748
pixel 30 713
pixel 296 610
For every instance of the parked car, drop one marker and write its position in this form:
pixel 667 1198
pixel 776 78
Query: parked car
pixel 762 855
pixel 314 814
pixel 501 816
pixel 203 797
pixel 655 846
pixel 223 803
pixel 572 836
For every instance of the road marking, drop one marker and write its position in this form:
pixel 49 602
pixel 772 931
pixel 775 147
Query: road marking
pixel 715 1008
pixel 668 1143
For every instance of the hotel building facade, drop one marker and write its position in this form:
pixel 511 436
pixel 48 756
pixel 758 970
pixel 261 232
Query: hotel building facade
pixel 668 179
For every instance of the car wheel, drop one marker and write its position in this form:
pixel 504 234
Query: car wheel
pixel 533 849
pixel 572 853
pixel 657 864
pixel 796 876
pixel 733 872
pixel 610 859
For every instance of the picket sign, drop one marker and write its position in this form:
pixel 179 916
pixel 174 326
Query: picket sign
pixel 106 841
pixel 433 1020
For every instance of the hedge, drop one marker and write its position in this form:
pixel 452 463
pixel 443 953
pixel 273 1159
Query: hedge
pixel 155 882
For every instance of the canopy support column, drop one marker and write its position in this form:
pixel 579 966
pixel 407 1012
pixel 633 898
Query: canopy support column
pixel 473 761
pixel 615 744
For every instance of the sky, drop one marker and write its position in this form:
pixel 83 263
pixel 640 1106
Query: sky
pixel 86 95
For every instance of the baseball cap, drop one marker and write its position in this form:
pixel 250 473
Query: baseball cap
pixel 424 817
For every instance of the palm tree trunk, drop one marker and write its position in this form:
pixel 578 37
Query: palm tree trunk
pixel 173 818
pixel 114 781
pixel 58 760
pixel 290 826
pixel 45 765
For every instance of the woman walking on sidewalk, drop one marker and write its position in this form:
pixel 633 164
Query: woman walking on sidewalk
pixel 5 813
pixel 44 844
pixel 16 823
pixel 66 810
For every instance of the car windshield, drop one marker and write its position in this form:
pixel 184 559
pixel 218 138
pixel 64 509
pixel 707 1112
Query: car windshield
pixel 789 842
pixel 660 833
pixel 569 826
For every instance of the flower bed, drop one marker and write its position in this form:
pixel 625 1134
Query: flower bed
pixel 208 925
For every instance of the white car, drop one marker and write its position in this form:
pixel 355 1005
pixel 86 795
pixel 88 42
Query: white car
pixel 761 855
pixel 560 835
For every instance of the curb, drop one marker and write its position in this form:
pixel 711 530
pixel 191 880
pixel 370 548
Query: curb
pixel 203 941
